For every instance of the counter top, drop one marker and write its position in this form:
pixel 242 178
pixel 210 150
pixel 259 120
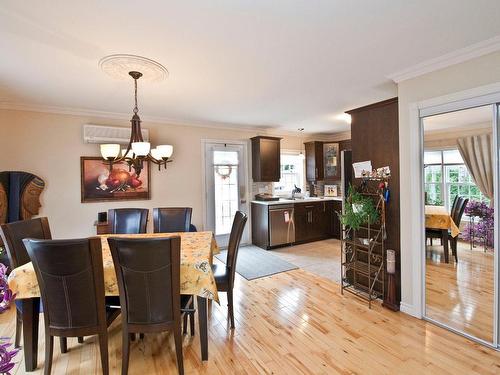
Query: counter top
pixel 298 200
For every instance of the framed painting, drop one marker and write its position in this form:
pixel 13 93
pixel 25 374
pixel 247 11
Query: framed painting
pixel 99 184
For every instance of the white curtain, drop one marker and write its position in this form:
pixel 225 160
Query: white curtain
pixel 477 152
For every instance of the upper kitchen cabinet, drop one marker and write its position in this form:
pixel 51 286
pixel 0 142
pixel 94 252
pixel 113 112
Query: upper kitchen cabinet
pixel 331 155
pixel 314 161
pixel 265 159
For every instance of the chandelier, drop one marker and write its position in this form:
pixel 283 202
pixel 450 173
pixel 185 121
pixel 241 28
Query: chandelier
pixel 137 151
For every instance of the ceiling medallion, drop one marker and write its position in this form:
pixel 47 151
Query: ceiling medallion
pixel 118 67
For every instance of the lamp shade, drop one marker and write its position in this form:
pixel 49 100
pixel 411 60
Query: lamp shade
pixel 141 148
pixel 155 153
pixel 165 151
pixel 110 151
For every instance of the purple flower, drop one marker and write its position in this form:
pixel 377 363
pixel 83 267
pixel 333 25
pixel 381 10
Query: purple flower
pixel 482 231
pixel 6 295
pixel 6 356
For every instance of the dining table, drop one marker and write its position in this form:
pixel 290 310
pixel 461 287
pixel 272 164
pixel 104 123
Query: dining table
pixel 438 218
pixel 197 279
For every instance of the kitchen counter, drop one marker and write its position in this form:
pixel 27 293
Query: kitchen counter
pixel 298 200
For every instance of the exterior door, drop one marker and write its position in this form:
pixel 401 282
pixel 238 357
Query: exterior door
pixel 226 188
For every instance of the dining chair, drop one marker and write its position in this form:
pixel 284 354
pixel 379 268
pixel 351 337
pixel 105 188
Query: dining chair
pixel 12 236
pixel 148 275
pixel 434 233
pixel 71 280
pixel 128 220
pixel 174 220
pixel 224 274
pixel 171 219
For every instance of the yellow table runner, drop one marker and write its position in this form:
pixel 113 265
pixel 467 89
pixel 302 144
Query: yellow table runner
pixel 197 249
pixel 436 217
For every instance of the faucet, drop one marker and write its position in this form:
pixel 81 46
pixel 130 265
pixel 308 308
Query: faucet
pixel 295 190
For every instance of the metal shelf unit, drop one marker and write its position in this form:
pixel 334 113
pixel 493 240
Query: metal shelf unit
pixel 363 255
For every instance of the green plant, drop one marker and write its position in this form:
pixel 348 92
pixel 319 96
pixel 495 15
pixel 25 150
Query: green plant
pixel 359 210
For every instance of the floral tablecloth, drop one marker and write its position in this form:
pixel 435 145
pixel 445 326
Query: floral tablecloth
pixel 436 217
pixel 197 249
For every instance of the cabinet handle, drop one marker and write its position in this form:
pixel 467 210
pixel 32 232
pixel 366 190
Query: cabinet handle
pixel 316 172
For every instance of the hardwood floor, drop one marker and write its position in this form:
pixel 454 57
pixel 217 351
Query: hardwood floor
pixel 321 258
pixel 461 295
pixel 290 323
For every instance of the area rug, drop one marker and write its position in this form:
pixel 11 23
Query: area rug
pixel 254 262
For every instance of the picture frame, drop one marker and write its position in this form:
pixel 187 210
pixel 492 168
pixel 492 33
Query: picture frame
pixel 99 184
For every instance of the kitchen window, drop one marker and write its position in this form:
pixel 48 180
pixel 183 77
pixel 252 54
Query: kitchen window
pixel 445 176
pixel 292 173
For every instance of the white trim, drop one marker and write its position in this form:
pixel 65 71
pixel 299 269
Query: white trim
pixel 410 310
pixel 257 129
pixel 464 54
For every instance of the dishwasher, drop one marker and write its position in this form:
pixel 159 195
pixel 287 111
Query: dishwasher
pixel 282 225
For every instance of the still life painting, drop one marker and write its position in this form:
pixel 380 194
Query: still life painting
pixel 99 183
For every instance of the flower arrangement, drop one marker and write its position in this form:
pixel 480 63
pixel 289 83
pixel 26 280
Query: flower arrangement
pixel 358 210
pixel 6 295
pixel 483 230
pixel 6 357
pixel 6 299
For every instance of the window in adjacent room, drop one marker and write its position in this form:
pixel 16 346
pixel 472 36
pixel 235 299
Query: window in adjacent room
pixel 446 176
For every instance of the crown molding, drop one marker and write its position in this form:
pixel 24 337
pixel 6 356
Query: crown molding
pixel 464 54
pixel 258 130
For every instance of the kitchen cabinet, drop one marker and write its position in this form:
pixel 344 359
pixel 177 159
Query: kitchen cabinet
pixel 266 159
pixel 314 161
pixel 331 162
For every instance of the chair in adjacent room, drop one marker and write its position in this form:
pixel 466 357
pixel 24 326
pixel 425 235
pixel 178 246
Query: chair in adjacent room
pixel 171 219
pixel 224 274
pixel 433 233
pixel 457 218
pixel 128 220
pixel 148 275
pixel 71 280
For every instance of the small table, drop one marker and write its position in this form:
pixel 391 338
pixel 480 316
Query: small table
pixel 436 217
pixel 197 249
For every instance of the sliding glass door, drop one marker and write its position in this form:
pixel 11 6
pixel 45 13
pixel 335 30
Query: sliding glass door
pixel 460 176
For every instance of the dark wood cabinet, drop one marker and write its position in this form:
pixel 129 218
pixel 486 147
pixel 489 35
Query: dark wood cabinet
pixel 314 161
pixel 266 159
pixel 331 161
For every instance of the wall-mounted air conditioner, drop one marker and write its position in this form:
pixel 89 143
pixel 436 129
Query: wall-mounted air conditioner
pixel 109 134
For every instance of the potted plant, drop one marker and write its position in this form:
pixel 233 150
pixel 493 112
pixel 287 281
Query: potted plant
pixel 359 210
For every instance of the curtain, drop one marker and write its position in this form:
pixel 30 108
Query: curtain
pixel 477 152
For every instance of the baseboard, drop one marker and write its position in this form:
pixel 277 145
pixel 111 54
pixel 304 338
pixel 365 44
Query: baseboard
pixel 410 310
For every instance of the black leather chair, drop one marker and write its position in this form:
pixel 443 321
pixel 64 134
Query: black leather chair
pixel 148 274
pixel 71 280
pixel 174 220
pixel 12 237
pixel 128 220
pixel 224 274
pixel 171 219
pixel 456 214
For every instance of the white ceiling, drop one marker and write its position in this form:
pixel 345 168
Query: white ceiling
pixel 283 64
pixel 472 118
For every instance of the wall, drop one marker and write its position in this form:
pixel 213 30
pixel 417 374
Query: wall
pixel 50 146
pixel 449 139
pixel 474 73
pixel 374 137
